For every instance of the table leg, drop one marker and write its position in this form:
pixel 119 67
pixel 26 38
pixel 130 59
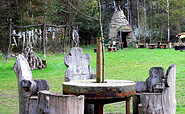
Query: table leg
pixel 128 105
pixel 98 108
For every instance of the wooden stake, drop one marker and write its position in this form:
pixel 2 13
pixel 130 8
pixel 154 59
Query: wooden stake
pixel 98 61
pixel 10 34
pixel 43 39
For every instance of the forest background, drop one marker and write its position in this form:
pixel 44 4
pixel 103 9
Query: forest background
pixel 151 20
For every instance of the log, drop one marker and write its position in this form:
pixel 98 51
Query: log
pixel 26 85
pixel 51 103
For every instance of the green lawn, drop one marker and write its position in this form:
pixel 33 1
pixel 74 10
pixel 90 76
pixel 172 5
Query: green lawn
pixel 126 64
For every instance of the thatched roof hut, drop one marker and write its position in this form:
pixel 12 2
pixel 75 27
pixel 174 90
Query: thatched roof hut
pixel 120 29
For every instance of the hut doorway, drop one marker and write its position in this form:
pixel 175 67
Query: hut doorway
pixel 124 39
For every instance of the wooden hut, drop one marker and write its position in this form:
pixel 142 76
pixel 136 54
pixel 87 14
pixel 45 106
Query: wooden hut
pixel 119 28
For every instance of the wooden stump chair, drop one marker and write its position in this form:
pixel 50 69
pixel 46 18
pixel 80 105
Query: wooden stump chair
pixel 78 68
pixel 32 98
pixel 27 87
pixel 157 94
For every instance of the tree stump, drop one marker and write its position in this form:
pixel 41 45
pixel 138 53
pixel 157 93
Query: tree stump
pixel 49 103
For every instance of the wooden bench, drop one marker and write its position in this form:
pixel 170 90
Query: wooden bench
pixel 112 49
pixel 140 44
pixel 151 46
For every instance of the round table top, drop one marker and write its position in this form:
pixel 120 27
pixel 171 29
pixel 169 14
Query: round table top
pixel 109 90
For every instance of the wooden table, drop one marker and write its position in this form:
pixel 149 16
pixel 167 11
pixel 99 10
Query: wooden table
pixel 102 93
pixel 162 44
pixel 151 46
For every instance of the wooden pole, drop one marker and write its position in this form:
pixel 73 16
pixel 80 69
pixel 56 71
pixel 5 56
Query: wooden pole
pixel 10 34
pixel 71 36
pixel 101 32
pixel 65 38
pixel 43 39
pixel 98 61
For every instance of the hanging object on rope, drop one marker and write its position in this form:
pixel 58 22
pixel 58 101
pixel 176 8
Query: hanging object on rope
pixel 40 36
pixel 53 33
pixel 32 36
pixel 57 34
pixel 75 36
pixel 14 35
pixel 19 37
pixel 23 42
pixel 29 38
pixel 49 30
pixel 62 33
pixel 35 35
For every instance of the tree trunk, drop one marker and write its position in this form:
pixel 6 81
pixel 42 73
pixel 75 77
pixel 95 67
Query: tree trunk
pixel 168 20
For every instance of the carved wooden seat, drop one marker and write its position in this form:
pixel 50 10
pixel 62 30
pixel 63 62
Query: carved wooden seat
pixel 27 87
pixel 78 67
pixel 34 97
pixel 157 94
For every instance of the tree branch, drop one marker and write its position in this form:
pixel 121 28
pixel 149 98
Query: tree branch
pixel 81 12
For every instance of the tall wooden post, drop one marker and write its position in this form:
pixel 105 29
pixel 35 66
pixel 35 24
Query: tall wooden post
pixel 64 38
pixel 10 34
pixel 71 36
pixel 98 61
pixel 43 39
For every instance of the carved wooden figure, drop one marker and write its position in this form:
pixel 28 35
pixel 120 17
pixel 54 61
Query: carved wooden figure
pixel 78 67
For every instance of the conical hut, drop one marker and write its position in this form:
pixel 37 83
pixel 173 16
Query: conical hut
pixel 119 28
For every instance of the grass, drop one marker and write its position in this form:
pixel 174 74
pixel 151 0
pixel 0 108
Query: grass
pixel 127 64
